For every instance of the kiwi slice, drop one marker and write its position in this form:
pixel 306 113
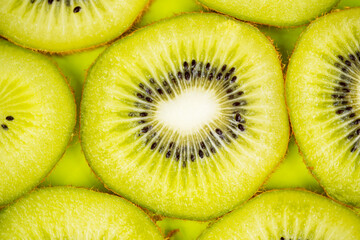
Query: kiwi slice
pixel 272 12
pixel 285 215
pixel 323 99
pixel 75 213
pixel 66 25
pixel 186 117
pixel 37 117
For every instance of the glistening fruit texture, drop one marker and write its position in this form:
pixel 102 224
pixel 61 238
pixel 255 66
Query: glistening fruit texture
pixel 186 126
pixel 182 121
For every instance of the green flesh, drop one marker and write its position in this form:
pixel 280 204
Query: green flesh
pixel 281 13
pixel 323 99
pixel 285 215
pixel 75 213
pixel 193 175
pixel 65 26
pixel 37 117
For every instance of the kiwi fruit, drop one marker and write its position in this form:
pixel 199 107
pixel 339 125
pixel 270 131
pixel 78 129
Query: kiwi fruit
pixel 75 213
pixel 322 89
pixel 186 117
pixel 272 12
pixel 285 215
pixel 66 25
pixel 37 118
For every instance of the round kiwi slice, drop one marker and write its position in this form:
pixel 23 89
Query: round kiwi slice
pixel 272 12
pixel 323 99
pixel 66 25
pixel 37 117
pixel 285 215
pixel 186 117
pixel 75 213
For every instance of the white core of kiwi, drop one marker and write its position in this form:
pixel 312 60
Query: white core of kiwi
pixel 189 111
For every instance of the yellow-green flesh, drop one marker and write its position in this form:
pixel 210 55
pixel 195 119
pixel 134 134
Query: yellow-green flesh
pixel 119 150
pixel 323 98
pixel 272 12
pixel 75 213
pixel 287 214
pixel 37 117
pixel 65 26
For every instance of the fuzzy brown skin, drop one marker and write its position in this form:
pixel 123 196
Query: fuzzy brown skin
pixel 69 52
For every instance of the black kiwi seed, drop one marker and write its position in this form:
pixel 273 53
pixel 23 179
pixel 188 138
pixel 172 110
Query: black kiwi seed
pixel 10 118
pixel 211 76
pixel 218 131
pixel 207 67
pixel 145 129
pixel 77 9
pixel 4 126
pixel 201 154
pixel 179 74
pixel 153 146
pixel 193 63
pixel 50 1
pixel 241 127
pixel 187 75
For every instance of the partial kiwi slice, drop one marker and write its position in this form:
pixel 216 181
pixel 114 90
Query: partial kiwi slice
pixel 186 117
pixel 66 25
pixel 37 117
pixel 272 12
pixel 287 214
pixel 322 86
pixel 75 213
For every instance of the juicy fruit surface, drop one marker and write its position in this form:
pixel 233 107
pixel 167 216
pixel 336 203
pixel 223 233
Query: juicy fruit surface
pixel 272 12
pixel 197 166
pixel 287 214
pixel 75 213
pixel 37 117
pixel 66 25
pixel 323 98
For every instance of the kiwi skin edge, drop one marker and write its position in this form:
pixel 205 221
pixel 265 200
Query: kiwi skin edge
pixel 62 53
